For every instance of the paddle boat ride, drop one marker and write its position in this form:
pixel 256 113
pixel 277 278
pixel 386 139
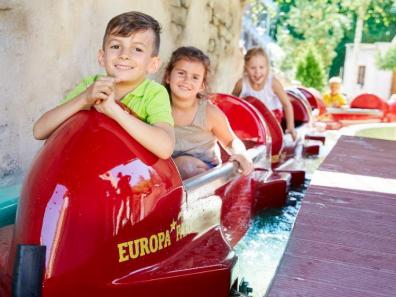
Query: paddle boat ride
pixel 363 109
pixel 99 215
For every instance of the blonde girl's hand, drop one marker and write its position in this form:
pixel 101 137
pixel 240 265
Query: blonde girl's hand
pixel 293 133
pixel 245 163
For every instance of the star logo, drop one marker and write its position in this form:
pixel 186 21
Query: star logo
pixel 173 226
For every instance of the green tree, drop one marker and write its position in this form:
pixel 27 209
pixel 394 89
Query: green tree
pixel 379 25
pixel 310 71
pixel 388 61
pixel 318 24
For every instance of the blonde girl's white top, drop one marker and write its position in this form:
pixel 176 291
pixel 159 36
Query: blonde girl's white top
pixel 265 94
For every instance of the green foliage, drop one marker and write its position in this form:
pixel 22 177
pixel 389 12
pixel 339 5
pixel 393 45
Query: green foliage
pixel 258 11
pixel 329 24
pixel 318 24
pixel 310 71
pixel 388 61
pixel 257 8
pixel 379 26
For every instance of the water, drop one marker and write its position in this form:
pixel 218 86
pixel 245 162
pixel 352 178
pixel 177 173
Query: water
pixel 386 133
pixel 9 196
pixel 261 249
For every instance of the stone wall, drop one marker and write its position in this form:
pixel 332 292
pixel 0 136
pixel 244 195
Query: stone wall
pixel 48 46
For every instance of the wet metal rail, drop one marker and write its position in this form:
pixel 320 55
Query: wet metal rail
pixel 204 183
pixel 344 239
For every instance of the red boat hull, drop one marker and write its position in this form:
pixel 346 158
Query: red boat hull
pixel 116 220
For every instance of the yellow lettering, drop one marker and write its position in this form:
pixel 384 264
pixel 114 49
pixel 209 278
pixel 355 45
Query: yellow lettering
pixel 167 239
pixel 153 243
pixel 123 255
pixel 161 239
pixel 144 246
pixel 133 252
pixel 179 235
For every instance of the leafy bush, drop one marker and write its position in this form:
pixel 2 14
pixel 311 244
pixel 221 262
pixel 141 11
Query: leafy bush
pixel 388 61
pixel 310 71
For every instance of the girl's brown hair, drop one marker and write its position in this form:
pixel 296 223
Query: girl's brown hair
pixel 188 53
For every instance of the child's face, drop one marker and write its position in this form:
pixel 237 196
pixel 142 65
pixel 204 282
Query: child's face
pixel 186 79
pixel 257 69
pixel 335 88
pixel 129 59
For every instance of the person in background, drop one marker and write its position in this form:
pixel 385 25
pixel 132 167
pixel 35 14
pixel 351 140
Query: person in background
pixel 199 125
pixel 129 53
pixel 259 82
pixel 334 97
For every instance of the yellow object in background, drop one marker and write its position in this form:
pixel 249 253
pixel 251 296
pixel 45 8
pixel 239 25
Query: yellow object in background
pixel 334 100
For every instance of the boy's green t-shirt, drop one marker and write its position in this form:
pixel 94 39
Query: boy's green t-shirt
pixel 150 100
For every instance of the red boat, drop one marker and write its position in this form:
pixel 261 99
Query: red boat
pixel 365 108
pixel 100 216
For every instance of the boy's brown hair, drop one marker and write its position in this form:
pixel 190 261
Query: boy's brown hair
pixel 127 23
pixel 188 53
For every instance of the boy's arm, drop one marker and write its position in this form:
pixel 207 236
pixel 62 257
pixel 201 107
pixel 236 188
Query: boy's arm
pixel 158 138
pixel 53 118
pixel 100 89
pixel 287 107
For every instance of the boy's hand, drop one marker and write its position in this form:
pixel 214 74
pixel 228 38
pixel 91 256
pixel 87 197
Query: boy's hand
pixel 245 164
pixel 101 90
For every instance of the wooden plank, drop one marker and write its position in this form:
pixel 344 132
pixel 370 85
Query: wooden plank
pixel 314 191
pixel 382 228
pixel 338 274
pixel 297 287
pixel 356 201
pixel 342 254
pixel 341 212
pixel 328 234
pixel 344 239
pixel 358 155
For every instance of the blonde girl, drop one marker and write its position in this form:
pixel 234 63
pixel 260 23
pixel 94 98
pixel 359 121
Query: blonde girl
pixel 259 82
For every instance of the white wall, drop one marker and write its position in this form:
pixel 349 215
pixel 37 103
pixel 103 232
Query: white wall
pixel 47 46
pixel 376 81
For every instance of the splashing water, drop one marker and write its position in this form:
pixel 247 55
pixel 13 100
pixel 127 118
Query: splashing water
pixel 261 249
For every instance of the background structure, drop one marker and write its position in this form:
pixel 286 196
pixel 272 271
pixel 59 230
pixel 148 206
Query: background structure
pixel 48 46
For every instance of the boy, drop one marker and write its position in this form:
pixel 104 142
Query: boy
pixel 334 98
pixel 129 52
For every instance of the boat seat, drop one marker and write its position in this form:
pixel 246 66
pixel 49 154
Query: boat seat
pixel 363 109
pixel 273 125
pixel 314 98
pixel 391 116
pixel 369 101
pixel 372 102
pixel 243 118
pixel 301 107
